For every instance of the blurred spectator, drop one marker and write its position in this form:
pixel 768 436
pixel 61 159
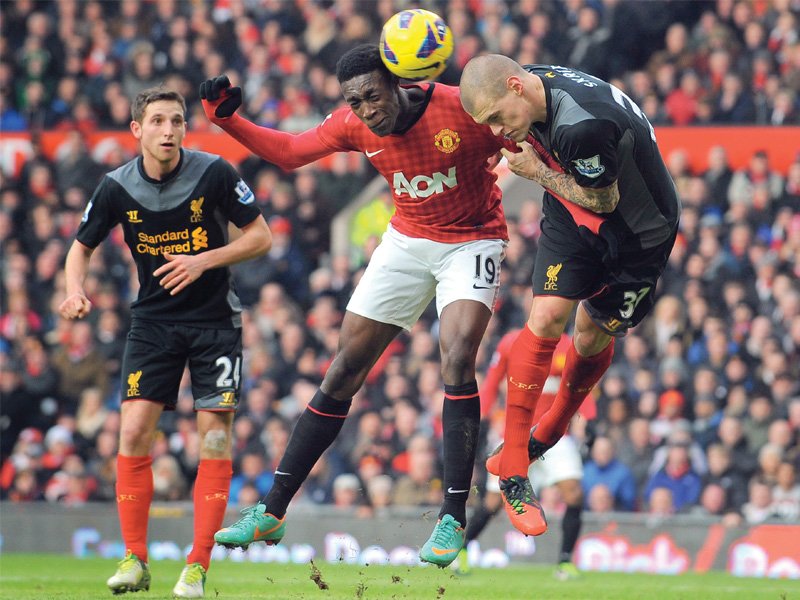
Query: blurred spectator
pixel 605 469
pixel 759 507
pixel 786 493
pixel 252 471
pixel 420 486
pixel 168 481
pixel 661 502
pixel 677 477
pixel 79 365
pixel 722 474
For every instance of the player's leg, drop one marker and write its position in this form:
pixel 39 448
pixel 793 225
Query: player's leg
pixel 572 493
pixel 214 471
pixel 467 282
pixel 528 368
pixel 151 371
pixel 391 295
pixel 361 343
pixel 563 468
pixel 134 490
pixel 462 326
pixel 588 358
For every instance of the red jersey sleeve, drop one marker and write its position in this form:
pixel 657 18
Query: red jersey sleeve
pixel 286 150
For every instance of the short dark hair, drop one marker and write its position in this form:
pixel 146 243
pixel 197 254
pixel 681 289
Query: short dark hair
pixel 154 94
pixel 363 59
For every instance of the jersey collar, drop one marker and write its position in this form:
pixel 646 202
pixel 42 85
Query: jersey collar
pixel 542 128
pixel 167 178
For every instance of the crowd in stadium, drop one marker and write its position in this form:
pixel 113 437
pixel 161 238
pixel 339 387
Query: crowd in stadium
pixel 700 412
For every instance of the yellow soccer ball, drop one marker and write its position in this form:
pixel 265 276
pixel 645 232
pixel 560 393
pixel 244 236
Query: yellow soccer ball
pixel 415 44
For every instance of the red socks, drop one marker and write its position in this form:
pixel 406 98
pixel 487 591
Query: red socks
pixel 528 368
pixel 580 375
pixel 210 501
pixel 134 495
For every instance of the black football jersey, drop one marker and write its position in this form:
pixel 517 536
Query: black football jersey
pixel 599 135
pixel 185 213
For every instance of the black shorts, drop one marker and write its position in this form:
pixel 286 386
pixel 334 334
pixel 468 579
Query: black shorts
pixel 156 354
pixel 617 296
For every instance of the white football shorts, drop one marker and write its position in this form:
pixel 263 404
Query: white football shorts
pixel 405 274
pixel 561 462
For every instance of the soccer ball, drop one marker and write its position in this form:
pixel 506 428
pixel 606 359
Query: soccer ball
pixel 415 44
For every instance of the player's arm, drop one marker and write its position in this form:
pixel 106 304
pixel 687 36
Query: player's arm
pixel 184 269
pixel 286 150
pixel 76 305
pixel 527 163
pixel 589 149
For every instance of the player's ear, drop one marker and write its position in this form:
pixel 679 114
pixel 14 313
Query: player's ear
pixel 136 129
pixel 514 84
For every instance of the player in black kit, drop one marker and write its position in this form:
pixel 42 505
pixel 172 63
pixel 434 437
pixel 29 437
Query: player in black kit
pixel 174 206
pixel 610 219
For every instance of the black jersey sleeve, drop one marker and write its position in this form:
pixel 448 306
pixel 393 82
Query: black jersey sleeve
pixel 237 201
pixel 588 149
pixel 99 217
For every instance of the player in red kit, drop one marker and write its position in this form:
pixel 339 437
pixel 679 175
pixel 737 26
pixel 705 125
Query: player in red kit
pixel 445 241
pixel 563 467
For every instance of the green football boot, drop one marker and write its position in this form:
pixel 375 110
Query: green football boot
pixel 566 571
pixel 445 542
pixel 191 583
pixel 132 575
pixel 256 525
pixel 461 564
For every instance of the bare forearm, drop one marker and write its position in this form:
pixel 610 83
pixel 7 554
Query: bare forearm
pixel 603 200
pixel 76 266
pixel 255 241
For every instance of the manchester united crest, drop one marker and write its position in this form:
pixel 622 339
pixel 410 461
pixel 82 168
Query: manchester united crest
pixel 447 141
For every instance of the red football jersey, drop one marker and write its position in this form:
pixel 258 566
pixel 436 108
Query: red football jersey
pixel 442 188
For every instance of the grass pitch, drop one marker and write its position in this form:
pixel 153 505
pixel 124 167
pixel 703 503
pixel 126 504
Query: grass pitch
pixel 39 577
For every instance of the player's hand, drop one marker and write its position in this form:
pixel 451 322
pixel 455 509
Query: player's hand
pixel 493 161
pixel 76 306
pixel 525 163
pixel 219 99
pixel 179 272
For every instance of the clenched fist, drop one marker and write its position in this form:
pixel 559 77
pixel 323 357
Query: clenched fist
pixel 76 306
pixel 219 99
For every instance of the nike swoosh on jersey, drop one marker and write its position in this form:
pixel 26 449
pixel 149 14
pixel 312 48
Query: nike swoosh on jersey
pixel 281 473
pixel 450 490
pixel 481 287
pixel 371 154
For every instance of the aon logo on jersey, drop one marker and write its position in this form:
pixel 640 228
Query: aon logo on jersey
pixel 422 186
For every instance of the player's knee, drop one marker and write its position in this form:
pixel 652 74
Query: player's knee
pixel 572 492
pixel 344 376
pixel 590 340
pixel 134 438
pixel 215 442
pixel 548 320
pixel 458 363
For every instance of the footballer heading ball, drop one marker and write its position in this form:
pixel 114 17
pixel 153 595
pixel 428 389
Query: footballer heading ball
pixel 415 44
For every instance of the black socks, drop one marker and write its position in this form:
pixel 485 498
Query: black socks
pixel 315 431
pixel 570 530
pixel 461 421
